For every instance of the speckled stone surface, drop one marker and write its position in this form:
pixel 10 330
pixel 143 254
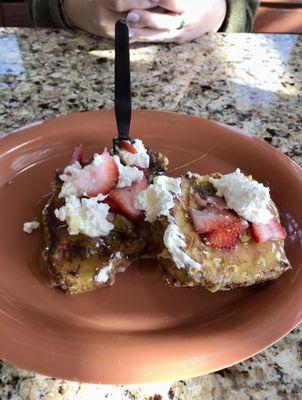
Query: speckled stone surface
pixel 250 81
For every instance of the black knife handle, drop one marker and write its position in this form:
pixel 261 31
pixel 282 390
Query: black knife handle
pixel 122 97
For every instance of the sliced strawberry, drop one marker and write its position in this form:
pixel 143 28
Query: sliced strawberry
pixel 211 218
pixel 110 216
pixel 76 155
pixel 111 204
pixel 217 202
pixel 226 238
pixel 214 201
pixel 100 178
pixel 223 238
pixel 270 231
pixel 128 147
pixel 124 199
pixel 200 201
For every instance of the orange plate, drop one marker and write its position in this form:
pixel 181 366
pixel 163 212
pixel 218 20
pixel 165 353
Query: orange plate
pixel 138 330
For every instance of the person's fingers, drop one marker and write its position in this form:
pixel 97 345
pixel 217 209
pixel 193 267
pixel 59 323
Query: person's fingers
pixel 153 35
pixel 177 6
pixel 150 19
pixel 126 5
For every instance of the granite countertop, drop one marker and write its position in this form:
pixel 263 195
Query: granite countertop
pixel 250 81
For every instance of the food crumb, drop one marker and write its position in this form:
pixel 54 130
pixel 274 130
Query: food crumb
pixel 29 227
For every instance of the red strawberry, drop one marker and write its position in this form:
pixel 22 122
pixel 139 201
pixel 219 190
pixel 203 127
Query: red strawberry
pixel 214 201
pixel 226 238
pixel 76 155
pixel 217 202
pixel 200 201
pixel 111 204
pixel 211 218
pixel 128 147
pixel 270 231
pixel 100 178
pixel 223 238
pixel 110 216
pixel 124 199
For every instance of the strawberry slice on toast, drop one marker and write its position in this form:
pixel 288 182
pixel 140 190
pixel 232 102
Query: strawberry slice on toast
pixel 123 199
pixel 273 230
pixel 100 177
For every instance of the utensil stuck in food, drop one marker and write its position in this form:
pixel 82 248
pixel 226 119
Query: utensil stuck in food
pixel 122 82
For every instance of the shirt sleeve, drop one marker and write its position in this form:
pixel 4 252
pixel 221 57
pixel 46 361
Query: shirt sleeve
pixel 46 13
pixel 240 15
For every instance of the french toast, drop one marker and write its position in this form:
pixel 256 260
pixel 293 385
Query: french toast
pixel 217 231
pixel 78 263
pixel 246 263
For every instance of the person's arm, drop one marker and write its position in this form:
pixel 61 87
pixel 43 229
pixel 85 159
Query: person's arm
pixel 198 16
pixel 47 13
pixel 240 15
pixel 99 17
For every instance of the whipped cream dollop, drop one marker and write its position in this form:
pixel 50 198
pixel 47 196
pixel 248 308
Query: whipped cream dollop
pixel 87 216
pixel 104 273
pixel 247 197
pixel 174 241
pixel 70 174
pixel 30 226
pixel 158 198
pixel 139 159
pixel 127 174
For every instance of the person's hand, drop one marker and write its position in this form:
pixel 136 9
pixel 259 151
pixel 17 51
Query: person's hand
pixel 176 20
pixel 99 16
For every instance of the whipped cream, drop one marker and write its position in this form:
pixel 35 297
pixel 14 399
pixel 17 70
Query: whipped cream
pixel 158 198
pixel 69 176
pixel 140 158
pixel 29 227
pixel 127 174
pixel 247 197
pixel 104 273
pixel 175 243
pixel 86 216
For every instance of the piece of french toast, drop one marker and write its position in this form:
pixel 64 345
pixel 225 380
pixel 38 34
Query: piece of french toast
pixel 75 262
pixel 79 263
pixel 246 263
